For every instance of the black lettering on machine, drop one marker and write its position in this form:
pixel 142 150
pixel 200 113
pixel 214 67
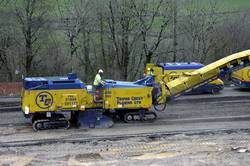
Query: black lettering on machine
pixel 127 100
pixel 70 100
pixel 123 100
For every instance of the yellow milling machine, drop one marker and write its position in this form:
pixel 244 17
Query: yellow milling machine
pixel 47 100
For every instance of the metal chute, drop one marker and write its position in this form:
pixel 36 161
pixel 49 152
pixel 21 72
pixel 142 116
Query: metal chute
pixel 93 118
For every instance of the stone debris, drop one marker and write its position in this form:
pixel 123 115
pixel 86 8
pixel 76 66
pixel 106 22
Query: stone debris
pixel 240 149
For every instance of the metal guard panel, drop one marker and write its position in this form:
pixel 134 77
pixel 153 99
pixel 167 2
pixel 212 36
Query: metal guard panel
pixel 44 83
pixel 125 98
pixel 181 65
pixel 125 84
pixel 57 100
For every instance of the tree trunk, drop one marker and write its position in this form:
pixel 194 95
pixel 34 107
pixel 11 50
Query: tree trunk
pixel 29 51
pixel 174 30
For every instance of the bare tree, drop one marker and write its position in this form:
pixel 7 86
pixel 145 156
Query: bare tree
pixel 120 36
pixel 174 9
pixel 31 15
pixel 147 16
pixel 108 56
pixel 6 41
pixel 82 10
pixel 4 2
pixel 120 23
pixel 151 20
pixel 200 26
pixel 129 25
pixel 237 32
pixel 76 21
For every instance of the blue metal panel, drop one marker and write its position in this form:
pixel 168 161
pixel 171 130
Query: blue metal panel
pixel 122 84
pixel 40 83
pixel 147 81
pixel 207 88
pixel 200 89
pixel 181 65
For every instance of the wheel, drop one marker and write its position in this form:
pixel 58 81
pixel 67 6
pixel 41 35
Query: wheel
pixel 129 117
pixel 160 107
pixel 136 117
pixel 67 125
pixel 37 125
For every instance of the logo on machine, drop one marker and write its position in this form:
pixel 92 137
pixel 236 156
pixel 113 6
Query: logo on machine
pixel 44 100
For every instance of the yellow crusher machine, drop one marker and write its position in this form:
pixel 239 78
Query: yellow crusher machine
pixel 174 70
pixel 47 100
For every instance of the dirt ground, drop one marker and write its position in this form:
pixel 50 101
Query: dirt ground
pixel 209 149
pixel 194 130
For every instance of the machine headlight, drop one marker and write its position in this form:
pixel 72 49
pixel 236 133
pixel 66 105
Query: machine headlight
pixel 82 107
pixel 26 110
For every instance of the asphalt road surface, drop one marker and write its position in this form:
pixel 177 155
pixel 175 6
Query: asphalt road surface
pixel 193 130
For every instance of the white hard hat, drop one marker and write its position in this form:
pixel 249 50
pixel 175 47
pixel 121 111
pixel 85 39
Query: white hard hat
pixel 100 71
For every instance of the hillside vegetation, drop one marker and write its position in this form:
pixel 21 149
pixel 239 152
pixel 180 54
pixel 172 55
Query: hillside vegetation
pixel 54 37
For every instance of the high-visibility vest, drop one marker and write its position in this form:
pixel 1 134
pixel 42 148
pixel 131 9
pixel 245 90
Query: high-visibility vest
pixel 98 80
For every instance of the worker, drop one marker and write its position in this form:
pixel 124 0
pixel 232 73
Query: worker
pixel 150 72
pixel 98 83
